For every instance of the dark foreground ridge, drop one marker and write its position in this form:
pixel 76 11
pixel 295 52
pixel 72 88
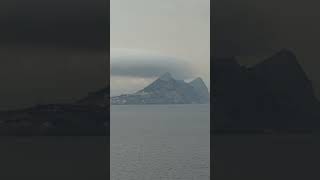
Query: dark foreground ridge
pixel 167 90
pixel 272 96
pixel 87 117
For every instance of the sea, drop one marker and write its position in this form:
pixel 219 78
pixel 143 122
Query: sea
pixel 160 142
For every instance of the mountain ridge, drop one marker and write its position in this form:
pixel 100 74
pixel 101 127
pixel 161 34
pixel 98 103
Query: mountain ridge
pixel 273 94
pixel 167 90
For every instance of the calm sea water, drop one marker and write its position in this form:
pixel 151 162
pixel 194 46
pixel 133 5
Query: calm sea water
pixel 160 142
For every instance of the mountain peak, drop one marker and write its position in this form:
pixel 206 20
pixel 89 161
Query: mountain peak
pixel 166 77
pixel 167 90
pixel 285 52
pixel 197 80
pixel 284 55
pixel 284 58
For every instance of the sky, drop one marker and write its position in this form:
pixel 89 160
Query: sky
pixel 151 37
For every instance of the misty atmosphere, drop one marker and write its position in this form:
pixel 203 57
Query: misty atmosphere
pixel 265 90
pixel 159 88
pixel 164 36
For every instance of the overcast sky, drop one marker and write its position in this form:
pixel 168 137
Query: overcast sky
pixel 151 37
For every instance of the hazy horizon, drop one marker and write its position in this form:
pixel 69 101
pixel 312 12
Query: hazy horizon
pixel 149 38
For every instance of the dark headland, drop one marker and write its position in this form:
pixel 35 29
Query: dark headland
pixel 272 96
pixel 86 117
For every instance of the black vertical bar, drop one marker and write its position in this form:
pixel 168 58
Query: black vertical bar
pixel 265 90
pixel 54 75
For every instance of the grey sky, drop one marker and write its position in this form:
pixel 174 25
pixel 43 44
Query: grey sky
pixel 150 37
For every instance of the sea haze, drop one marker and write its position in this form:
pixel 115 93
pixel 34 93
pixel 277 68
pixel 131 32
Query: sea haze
pixel 160 142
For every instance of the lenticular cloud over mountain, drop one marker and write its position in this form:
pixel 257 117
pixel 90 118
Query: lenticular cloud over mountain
pixel 142 64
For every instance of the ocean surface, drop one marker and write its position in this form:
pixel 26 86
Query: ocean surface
pixel 160 142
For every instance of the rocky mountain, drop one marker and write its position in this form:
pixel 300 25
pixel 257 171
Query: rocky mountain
pixel 167 90
pixel 274 94
pixel 201 89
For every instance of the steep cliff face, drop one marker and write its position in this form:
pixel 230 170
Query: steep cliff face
pixel 201 89
pixel 274 94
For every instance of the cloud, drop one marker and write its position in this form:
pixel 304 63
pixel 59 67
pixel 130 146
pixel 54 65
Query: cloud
pixel 141 64
pixel 124 85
